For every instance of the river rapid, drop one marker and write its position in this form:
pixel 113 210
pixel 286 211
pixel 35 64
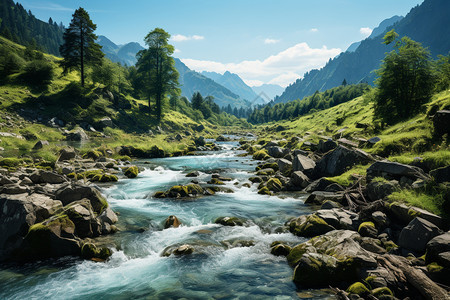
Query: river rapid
pixel 228 262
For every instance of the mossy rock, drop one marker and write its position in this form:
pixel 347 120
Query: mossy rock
pixel 108 178
pixel 195 189
pixel 255 179
pixel 157 152
pixel 261 155
pixel 90 251
pixel 368 229
pixel 364 224
pixel 280 250
pixel 389 245
pixel 382 291
pixel 273 166
pixel 93 154
pixel 131 172
pixel 216 181
pixel 434 267
pixel 178 191
pixel 310 226
pixel 274 184
pixel 358 288
pixel 265 172
pixel 265 191
pixel 229 221
pixel 315 270
pixel 159 194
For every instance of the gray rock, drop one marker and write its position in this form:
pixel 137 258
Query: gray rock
pixel 372 245
pixel 285 166
pixel 318 197
pixel 13 189
pixel 417 234
pixel 302 163
pixel 339 160
pixel 40 145
pixel 441 121
pixel 78 135
pixel 339 218
pixel 318 185
pixel 405 214
pixel 379 190
pixel 380 219
pixel 74 192
pixel 47 177
pixel 300 180
pixel 394 170
pixel 374 140
pixel 328 145
pixel 328 204
pixel 441 175
pixel 82 215
pixel 105 122
pixel 67 153
pixel 309 226
pixel 436 246
pixel 275 151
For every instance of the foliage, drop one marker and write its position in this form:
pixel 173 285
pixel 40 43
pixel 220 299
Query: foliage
pixel 39 72
pixel 79 47
pixel 443 72
pixel 157 75
pixel 405 80
pixel 318 101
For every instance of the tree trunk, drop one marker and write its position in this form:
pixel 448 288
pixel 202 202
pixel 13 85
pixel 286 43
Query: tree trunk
pixel 82 53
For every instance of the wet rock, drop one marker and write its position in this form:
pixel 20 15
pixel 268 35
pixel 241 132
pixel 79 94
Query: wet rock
pixel 193 174
pixel 274 185
pixel 107 219
pixel 276 152
pixel 280 249
pixel 172 221
pixel 380 219
pixel 394 170
pixel 229 221
pixel 328 204
pixel 329 258
pixel 131 172
pixel 309 226
pixel 417 234
pixel 339 160
pixel 300 180
pixel 178 250
pixel 40 145
pixel 90 251
pixel 104 122
pixel 83 217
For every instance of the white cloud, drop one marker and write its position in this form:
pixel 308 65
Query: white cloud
pixel 282 68
pixel 271 41
pixel 183 38
pixel 314 30
pixel 253 83
pixel 366 31
pixel 177 51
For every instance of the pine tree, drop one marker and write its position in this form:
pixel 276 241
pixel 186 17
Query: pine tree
pixel 79 48
pixel 197 100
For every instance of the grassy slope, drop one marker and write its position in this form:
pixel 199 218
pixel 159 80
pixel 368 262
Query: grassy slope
pixel 404 142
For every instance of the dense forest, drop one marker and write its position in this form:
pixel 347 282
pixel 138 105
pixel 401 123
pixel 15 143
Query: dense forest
pixel 22 27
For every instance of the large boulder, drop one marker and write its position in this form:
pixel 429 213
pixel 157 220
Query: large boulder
pixel 104 122
pixel 330 258
pixel 67 153
pixel 339 160
pixel 320 184
pixel 85 221
pixel 339 218
pixel 437 245
pixel 328 145
pixel 440 122
pixel 417 234
pixel 319 197
pixel 299 180
pixel 74 192
pixel 18 213
pixel 381 189
pixel 78 135
pixel 275 151
pixel 393 170
pixel 302 163
pixel 285 166
pixel 309 226
pixel 441 175
pixel 40 144
pixel 107 219
pixel 47 177
pixel 404 214
pixel 55 237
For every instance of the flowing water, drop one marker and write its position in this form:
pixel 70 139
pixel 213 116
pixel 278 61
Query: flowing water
pixel 220 267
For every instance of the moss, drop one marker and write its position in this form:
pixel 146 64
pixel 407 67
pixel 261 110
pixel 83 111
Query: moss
pixel 90 251
pixel 92 154
pixel 382 291
pixel 265 191
pixel 434 267
pixel 389 245
pixel 216 181
pixel 159 194
pixel 109 178
pixel 131 172
pixel 10 162
pixel 194 189
pixel 179 190
pixel 274 184
pixel 296 254
pixel 365 224
pixel 358 288
pixel 261 155
pixel 265 172
pixel 273 166
pixel 313 226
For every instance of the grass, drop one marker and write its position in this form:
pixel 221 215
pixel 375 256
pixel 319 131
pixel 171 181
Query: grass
pixel 421 199
pixel 434 159
pixel 348 178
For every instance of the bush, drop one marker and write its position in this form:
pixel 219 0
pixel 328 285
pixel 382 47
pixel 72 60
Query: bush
pixel 38 72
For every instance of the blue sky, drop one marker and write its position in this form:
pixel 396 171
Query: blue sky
pixel 263 41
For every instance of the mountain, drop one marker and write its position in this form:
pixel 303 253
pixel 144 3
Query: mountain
pixel 269 90
pixel 191 82
pixel 22 27
pixel 125 54
pixel 235 84
pixel 377 31
pixel 425 23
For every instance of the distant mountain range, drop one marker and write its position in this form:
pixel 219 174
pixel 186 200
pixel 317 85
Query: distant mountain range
pixel 125 54
pixel 268 91
pixel 427 23
pixel 380 29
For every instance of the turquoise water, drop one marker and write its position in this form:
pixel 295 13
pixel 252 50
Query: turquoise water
pixel 218 269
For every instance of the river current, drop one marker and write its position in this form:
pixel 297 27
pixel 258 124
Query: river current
pixel 228 262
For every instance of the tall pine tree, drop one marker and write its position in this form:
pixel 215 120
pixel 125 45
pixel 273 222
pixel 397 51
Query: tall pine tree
pixel 79 48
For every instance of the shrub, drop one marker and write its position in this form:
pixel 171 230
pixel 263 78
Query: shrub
pixel 38 72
